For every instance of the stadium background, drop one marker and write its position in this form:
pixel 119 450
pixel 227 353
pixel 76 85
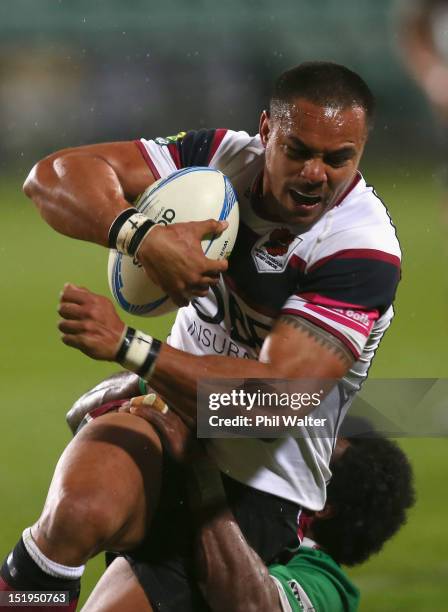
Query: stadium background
pixel 82 71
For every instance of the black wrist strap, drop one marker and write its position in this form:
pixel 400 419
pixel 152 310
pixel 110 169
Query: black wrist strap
pixel 138 352
pixel 117 224
pixel 153 352
pixel 138 236
pixel 125 344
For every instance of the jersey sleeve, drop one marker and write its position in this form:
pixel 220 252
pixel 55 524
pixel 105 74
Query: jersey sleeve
pixel 313 582
pixel 346 293
pixel 185 149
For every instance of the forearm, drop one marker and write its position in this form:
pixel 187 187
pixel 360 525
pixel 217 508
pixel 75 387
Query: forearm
pixel 294 349
pixel 309 362
pixel 186 369
pixel 231 575
pixel 77 194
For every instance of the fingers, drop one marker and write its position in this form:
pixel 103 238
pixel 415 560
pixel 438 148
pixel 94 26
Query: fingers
pixel 210 226
pixel 89 323
pixel 143 403
pixel 208 270
pixel 75 341
pixel 198 286
pixel 173 258
pixel 150 407
pixel 211 279
pixel 72 334
pixel 72 326
pixel 200 289
pixel 216 266
pixel 70 310
pixel 73 293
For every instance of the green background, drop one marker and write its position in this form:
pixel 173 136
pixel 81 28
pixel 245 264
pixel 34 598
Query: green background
pixel 41 377
pixel 82 71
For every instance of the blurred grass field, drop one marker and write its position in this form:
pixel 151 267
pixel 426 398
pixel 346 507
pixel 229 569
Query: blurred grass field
pixel 41 378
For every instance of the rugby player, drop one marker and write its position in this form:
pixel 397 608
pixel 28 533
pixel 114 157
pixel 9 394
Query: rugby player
pixel 354 523
pixel 316 307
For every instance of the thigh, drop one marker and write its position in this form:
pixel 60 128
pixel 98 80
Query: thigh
pixel 113 465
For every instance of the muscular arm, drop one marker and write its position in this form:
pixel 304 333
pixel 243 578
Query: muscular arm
pixel 80 191
pixel 232 575
pixel 294 349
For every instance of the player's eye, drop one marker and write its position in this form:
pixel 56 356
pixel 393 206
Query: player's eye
pixel 296 153
pixel 338 161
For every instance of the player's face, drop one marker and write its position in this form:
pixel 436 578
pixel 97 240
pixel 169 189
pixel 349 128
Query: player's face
pixel 312 155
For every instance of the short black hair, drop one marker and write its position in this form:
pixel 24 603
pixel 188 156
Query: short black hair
pixel 370 491
pixel 323 84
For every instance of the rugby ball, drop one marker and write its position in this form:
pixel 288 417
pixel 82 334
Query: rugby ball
pixel 191 194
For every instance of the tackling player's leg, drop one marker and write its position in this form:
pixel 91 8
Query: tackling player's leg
pixel 102 496
pixel 118 589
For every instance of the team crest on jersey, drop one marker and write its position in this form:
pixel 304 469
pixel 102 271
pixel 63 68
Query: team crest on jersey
pixel 271 253
pixel 163 141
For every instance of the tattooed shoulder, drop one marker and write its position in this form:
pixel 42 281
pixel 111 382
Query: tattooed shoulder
pixel 321 336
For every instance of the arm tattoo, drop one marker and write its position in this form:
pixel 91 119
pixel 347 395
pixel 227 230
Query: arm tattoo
pixel 321 336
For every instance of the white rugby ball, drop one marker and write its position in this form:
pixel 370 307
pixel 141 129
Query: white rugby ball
pixel 191 194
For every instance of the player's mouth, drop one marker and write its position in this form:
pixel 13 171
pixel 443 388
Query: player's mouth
pixel 305 199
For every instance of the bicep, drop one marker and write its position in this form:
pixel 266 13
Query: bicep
pixel 124 158
pixel 332 314
pixel 297 348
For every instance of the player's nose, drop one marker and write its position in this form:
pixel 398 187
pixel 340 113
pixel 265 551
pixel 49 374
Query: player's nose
pixel 313 171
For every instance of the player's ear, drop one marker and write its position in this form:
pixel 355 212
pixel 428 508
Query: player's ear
pixel 264 127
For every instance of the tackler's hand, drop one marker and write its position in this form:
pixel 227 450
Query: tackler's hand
pixel 89 323
pixel 177 439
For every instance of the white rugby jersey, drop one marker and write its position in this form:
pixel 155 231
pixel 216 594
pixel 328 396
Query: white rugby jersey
pixel 341 275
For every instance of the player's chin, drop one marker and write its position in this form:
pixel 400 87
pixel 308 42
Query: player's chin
pixel 305 215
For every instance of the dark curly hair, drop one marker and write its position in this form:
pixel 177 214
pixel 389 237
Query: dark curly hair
pixel 370 491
